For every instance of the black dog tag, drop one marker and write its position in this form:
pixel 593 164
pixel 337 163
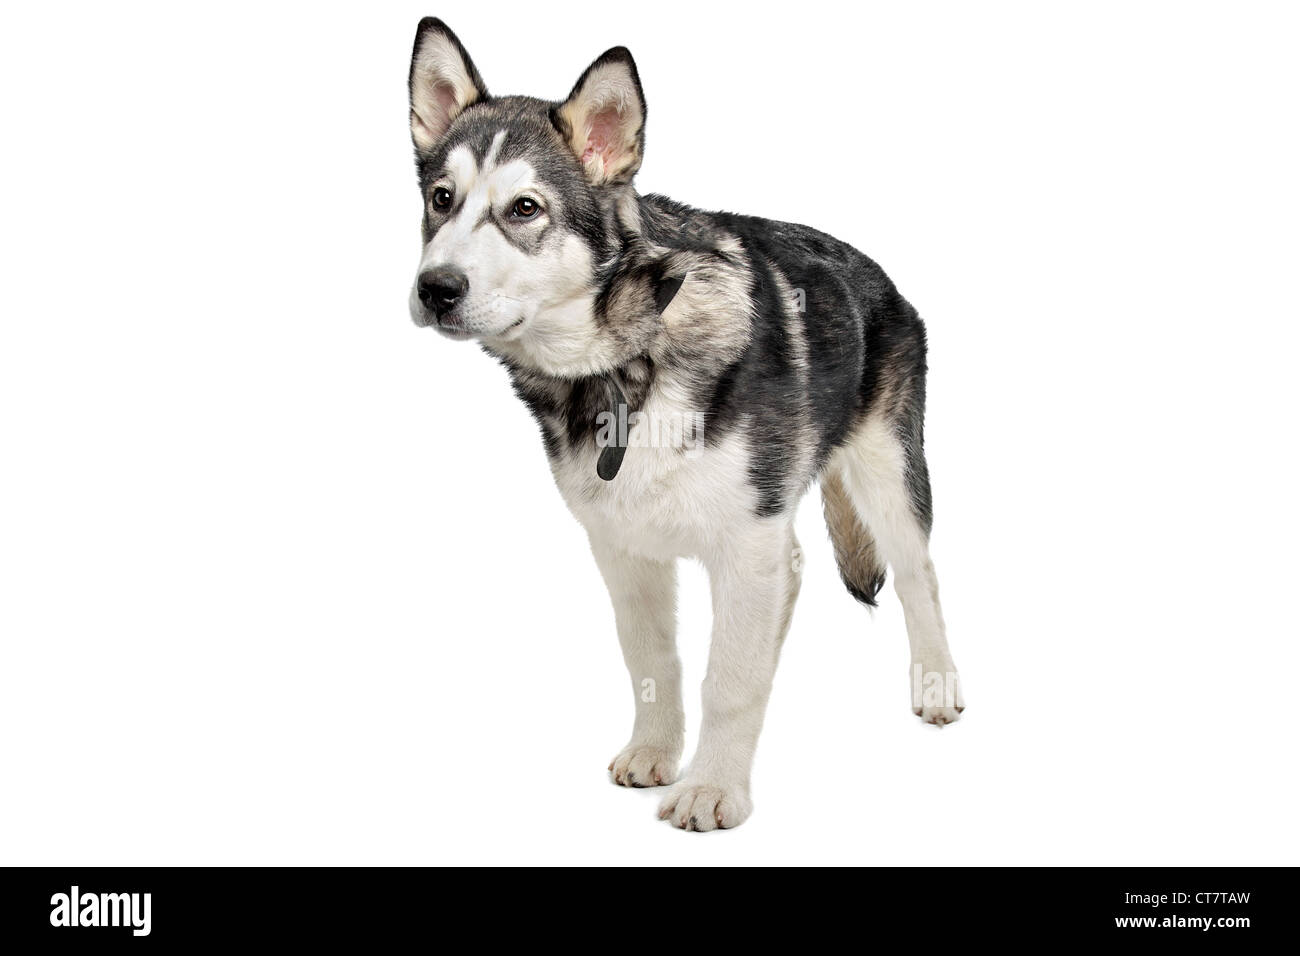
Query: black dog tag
pixel 611 456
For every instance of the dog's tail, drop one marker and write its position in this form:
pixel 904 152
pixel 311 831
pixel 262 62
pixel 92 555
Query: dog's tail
pixel 861 567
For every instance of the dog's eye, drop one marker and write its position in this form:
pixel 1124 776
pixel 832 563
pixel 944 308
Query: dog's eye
pixel 524 208
pixel 442 198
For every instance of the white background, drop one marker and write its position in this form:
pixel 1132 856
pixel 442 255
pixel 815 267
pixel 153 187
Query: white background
pixel 285 579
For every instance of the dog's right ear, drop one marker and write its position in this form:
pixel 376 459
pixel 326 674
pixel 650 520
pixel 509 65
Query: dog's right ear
pixel 443 82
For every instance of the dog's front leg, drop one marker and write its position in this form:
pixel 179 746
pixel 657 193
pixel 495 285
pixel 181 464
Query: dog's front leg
pixel 644 594
pixel 754 580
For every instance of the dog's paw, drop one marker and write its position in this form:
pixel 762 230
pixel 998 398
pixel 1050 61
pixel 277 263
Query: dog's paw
pixel 701 805
pixel 644 765
pixel 939 716
pixel 936 694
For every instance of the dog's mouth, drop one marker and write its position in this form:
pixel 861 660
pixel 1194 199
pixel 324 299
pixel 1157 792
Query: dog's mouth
pixel 453 326
pixel 473 319
pixel 452 331
pixel 511 327
pixel 450 324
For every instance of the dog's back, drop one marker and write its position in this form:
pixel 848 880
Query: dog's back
pixel 832 342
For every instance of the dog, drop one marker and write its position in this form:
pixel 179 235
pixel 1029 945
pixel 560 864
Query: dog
pixel 777 356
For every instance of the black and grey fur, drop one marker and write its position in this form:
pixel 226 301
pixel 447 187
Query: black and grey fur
pixel 793 350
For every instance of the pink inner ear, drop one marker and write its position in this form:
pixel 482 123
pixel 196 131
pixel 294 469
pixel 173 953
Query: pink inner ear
pixel 445 94
pixel 602 133
pixel 435 117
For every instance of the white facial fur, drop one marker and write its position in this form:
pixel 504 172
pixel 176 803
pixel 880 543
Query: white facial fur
pixel 510 290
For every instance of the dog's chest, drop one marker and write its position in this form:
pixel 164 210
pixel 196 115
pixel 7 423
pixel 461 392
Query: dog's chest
pixel 673 494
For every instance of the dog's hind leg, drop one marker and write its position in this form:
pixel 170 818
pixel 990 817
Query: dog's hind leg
pixel 644 595
pixel 883 468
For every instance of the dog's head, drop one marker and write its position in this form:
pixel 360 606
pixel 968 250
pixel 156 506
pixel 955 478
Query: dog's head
pixel 521 197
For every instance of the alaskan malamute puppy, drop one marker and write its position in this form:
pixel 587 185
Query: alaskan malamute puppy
pixel 692 374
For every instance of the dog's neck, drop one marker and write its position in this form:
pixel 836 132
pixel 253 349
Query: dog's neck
pixel 613 322
pixel 591 356
pixel 612 384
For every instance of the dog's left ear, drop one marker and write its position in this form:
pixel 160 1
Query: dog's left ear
pixel 603 120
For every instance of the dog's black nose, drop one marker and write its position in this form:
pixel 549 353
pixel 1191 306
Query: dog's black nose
pixel 441 287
